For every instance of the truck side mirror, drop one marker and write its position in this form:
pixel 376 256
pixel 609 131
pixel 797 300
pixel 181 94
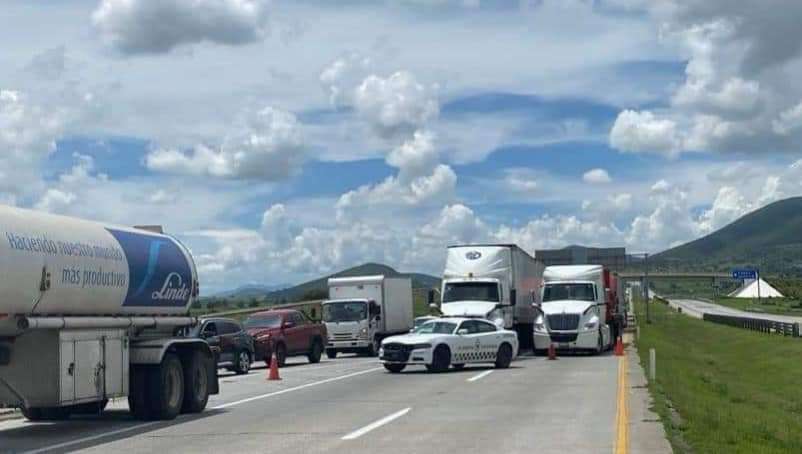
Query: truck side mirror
pixel 430 297
pixel 513 297
pixel 533 296
pixel 462 332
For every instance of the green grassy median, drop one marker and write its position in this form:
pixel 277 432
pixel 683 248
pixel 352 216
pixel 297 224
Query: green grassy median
pixel 721 389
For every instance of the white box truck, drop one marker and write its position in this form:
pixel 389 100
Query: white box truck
pixel 363 310
pixel 88 313
pixel 579 309
pixel 499 282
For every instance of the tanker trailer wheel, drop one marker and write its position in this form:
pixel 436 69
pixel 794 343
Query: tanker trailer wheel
pixel 165 388
pixel 46 413
pixel 137 399
pixel 196 382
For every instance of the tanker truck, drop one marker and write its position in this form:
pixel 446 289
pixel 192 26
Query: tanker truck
pixel 90 312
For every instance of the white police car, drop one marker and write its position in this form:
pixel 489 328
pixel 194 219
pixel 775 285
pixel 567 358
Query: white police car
pixel 443 342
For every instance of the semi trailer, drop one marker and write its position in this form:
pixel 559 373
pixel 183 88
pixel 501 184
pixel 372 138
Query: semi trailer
pixel 91 312
pixel 579 309
pixel 498 282
pixel 363 310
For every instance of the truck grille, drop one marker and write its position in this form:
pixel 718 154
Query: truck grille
pixel 396 352
pixel 563 337
pixel 563 322
pixel 341 336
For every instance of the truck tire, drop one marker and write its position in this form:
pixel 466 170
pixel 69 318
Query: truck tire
pixel 395 368
pixel 373 350
pixel 46 413
pixel 315 352
pixel 458 366
pixel 331 353
pixel 196 382
pixel 504 356
pixel 242 362
pixel 441 359
pixel 165 388
pixel 600 347
pixel 137 398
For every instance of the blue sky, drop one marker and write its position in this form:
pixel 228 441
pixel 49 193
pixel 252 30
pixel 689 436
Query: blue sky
pixel 283 140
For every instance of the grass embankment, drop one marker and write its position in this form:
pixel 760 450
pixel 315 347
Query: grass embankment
pixel 731 390
pixel 780 306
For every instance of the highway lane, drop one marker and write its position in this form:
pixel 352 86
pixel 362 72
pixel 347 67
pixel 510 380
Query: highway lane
pixel 696 308
pixel 350 405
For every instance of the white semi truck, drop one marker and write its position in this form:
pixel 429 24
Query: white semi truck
pixel 579 309
pixel 88 313
pixel 363 310
pixel 498 282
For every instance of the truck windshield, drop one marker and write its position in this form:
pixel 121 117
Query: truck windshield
pixel 346 311
pixel 471 291
pixel 574 291
pixel 436 328
pixel 263 321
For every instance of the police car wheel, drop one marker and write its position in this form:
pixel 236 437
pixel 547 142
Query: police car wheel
pixel 440 359
pixel 504 356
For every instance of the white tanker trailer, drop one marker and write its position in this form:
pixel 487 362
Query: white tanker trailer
pixel 89 312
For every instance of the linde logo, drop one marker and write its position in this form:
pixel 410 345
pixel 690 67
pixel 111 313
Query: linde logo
pixel 473 255
pixel 173 289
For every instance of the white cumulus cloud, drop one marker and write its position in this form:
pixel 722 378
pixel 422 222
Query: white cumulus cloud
pixel 596 176
pixel 158 26
pixel 269 147
pixel 396 105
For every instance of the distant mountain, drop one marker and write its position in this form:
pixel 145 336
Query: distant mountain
pixel 770 237
pixel 250 291
pixel 318 288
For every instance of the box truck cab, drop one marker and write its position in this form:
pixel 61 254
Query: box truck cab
pixel 363 310
pixel 574 309
pixel 494 282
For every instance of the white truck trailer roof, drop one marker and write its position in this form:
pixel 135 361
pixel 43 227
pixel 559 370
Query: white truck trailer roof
pixel 572 273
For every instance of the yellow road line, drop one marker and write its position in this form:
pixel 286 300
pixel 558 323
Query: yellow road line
pixel 622 413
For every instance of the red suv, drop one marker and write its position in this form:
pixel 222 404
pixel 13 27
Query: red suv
pixel 288 332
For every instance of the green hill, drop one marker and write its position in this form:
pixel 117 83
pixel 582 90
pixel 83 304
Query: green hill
pixel 769 238
pixel 318 288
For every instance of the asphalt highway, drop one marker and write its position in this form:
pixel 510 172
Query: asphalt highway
pixel 696 308
pixel 352 405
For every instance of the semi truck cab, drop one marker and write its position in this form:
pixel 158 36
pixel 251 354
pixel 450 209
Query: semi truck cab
pixel 477 297
pixel 573 311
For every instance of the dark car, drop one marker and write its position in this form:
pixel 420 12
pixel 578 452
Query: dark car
pixel 234 345
pixel 288 332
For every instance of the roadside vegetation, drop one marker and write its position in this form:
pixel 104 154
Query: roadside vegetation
pixel 723 389
pixel 780 306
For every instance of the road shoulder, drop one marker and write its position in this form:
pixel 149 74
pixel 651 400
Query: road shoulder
pixel 646 431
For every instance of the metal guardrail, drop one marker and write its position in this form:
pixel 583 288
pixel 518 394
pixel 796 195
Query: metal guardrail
pixel 755 324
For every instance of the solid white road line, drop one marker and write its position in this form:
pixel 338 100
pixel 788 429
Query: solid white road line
pixel 218 407
pixel 480 375
pixel 296 388
pixel 374 425
pixel 91 438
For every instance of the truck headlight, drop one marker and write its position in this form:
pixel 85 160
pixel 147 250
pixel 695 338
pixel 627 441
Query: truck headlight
pixel 592 324
pixel 363 332
pixel 540 325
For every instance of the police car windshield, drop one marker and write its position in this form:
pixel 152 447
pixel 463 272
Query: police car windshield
pixel 436 328
pixel 560 292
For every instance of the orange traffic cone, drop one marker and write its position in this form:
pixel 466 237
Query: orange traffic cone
pixel 619 347
pixel 552 352
pixel 273 370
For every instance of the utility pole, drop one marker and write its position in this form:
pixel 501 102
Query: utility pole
pixel 646 286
